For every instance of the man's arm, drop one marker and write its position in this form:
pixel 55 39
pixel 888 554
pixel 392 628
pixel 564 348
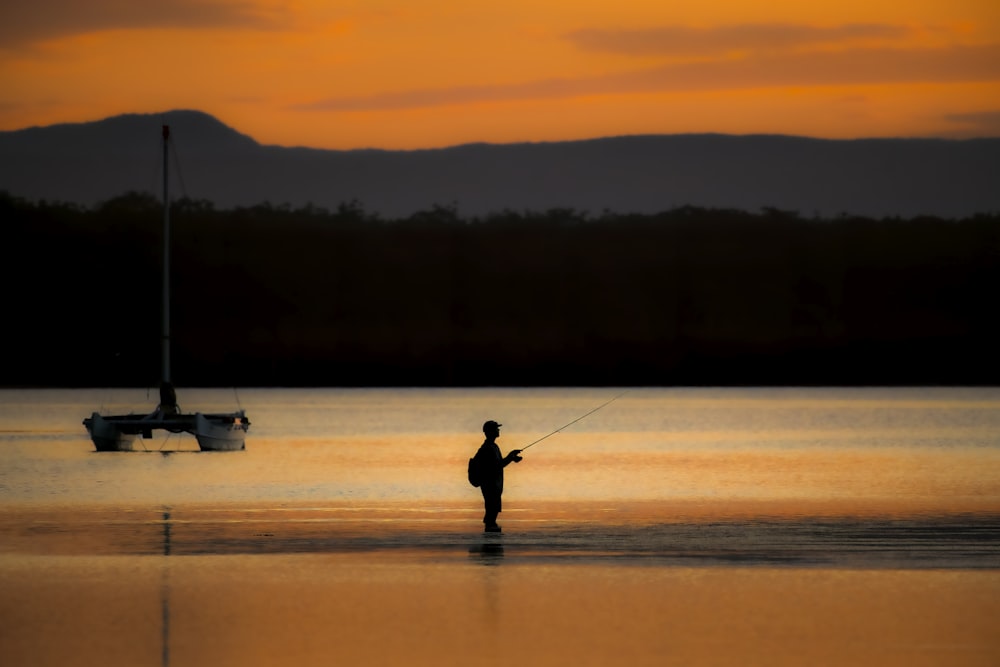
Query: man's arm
pixel 512 457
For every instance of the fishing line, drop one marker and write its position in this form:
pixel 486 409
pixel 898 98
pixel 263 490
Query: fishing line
pixel 576 420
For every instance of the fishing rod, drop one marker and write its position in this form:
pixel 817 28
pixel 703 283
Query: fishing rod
pixel 576 420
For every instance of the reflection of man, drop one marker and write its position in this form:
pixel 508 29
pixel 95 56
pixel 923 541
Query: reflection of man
pixel 491 464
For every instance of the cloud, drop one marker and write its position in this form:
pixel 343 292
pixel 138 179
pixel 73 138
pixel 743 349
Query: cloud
pixel 687 41
pixel 33 21
pixel 820 68
pixel 979 124
pixel 432 97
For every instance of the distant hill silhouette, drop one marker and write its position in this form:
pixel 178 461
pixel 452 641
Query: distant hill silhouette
pixel 89 163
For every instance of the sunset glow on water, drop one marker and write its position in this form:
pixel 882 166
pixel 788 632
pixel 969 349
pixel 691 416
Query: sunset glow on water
pixel 670 527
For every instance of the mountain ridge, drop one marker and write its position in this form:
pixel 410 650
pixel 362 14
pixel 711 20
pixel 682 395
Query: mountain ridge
pixel 89 162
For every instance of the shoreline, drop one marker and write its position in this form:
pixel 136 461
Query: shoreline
pixel 561 534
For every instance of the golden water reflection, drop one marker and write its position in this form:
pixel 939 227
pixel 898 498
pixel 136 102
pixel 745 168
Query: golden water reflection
pixel 254 585
pixel 675 527
pixel 403 608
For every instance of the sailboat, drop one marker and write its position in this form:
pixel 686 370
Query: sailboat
pixel 213 431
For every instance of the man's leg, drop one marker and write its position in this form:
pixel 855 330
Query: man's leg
pixel 493 507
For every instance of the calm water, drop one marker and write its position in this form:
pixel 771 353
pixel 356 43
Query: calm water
pixel 750 526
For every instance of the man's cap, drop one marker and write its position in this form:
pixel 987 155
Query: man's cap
pixel 490 424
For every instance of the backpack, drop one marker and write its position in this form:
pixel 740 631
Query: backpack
pixel 475 471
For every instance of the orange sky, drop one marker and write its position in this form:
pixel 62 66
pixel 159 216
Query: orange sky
pixel 404 74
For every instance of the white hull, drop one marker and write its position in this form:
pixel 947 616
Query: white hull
pixel 221 433
pixel 215 432
pixel 108 437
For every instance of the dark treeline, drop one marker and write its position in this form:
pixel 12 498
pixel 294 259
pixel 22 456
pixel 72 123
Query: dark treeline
pixel 275 296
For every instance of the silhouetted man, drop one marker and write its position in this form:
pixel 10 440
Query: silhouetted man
pixel 491 464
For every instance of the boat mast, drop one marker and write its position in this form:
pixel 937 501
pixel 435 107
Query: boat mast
pixel 165 371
